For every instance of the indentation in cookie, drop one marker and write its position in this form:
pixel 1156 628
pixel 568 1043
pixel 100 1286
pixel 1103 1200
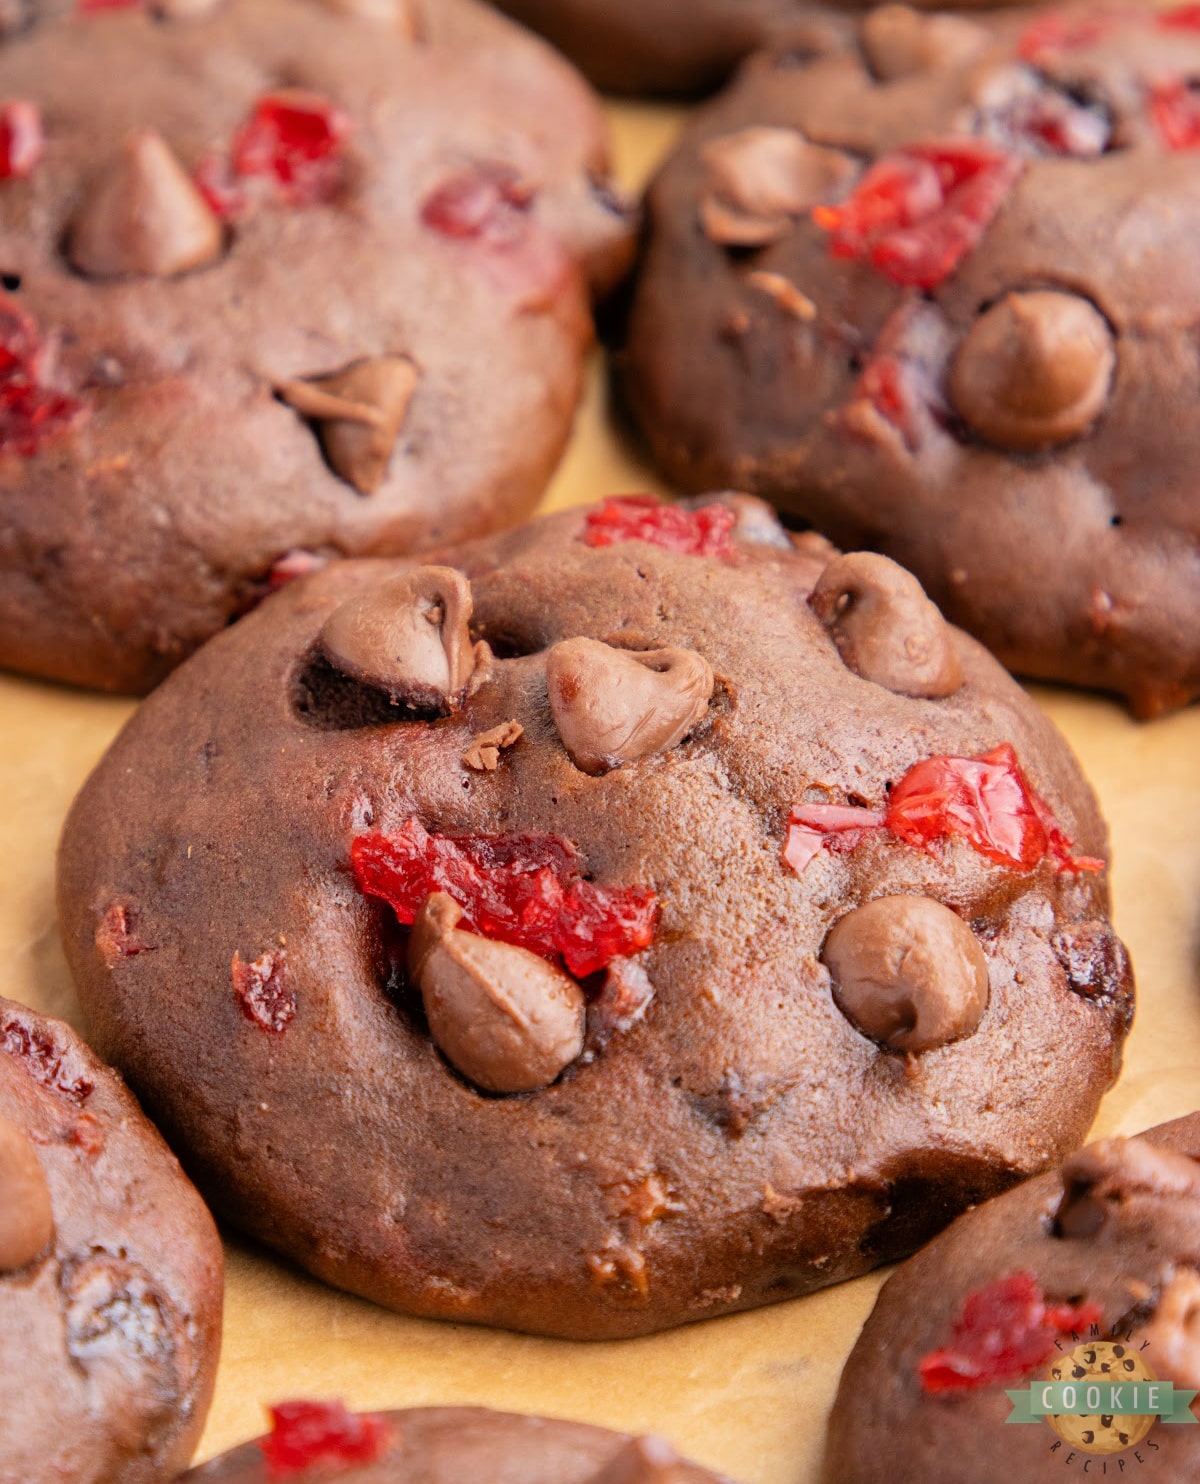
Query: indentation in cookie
pixel 22 139
pixel 759 180
pixel 144 216
pixel 409 638
pixel 907 972
pixel 899 41
pixel 613 706
pixel 26 1214
pixel 263 990
pixel 324 698
pixel 885 628
pixel 121 1331
pixel 1034 371
pixel 502 1016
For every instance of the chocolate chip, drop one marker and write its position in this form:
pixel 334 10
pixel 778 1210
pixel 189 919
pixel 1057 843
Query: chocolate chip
pixel 898 41
pixel 758 180
pixel 26 1217
pixel 613 706
pixel 907 972
pixel 408 637
pixel 641 1461
pixel 1034 370
pixel 143 215
pixel 885 628
pixel 505 1018
pixel 1108 1175
pixel 358 412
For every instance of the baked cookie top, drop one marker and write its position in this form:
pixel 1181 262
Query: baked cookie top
pixel 643 866
pixel 934 294
pixel 445 1445
pixel 312 281
pixel 110 1273
pixel 680 46
pixel 1087 1274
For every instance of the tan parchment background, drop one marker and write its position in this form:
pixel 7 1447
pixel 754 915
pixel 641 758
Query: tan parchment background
pixel 725 1391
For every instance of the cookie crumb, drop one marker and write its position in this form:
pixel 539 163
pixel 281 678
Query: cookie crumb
pixel 483 754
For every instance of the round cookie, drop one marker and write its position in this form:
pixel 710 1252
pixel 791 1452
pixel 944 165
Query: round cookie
pixel 933 294
pixel 110 1273
pixel 282 297
pixel 681 46
pixel 446 1445
pixel 529 881
pixel 1088 1273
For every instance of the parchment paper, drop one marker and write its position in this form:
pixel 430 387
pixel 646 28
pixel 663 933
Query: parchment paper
pixel 724 1391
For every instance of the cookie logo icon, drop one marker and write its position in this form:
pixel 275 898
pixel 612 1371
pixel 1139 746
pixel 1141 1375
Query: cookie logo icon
pixel 1087 1366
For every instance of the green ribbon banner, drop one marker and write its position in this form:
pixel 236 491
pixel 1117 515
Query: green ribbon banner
pixel 1088 1398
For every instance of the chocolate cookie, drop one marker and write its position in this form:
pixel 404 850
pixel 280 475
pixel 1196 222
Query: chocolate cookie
pixel 311 282
pixel 681 46
pixel 640 866
pixel 1088 1274
pixel 934 295
pixel 110 1273
pixel 446 1445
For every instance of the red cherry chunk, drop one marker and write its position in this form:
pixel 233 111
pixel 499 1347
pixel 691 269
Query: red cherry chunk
pixel 295 139
pixel 45 1061
pixel 1055 32
pixel 836 826
pixel 1004 1331
pixel 987 801
pixel 488 202
pixel 1181 18
pixel 263 991
pixel 1175 110
pixel 704 531
pixel 22 140
pixel 115 938
pixel 307 1434
pixel 30 409
pixel 918 212
pixel 522 889
pixel 293 564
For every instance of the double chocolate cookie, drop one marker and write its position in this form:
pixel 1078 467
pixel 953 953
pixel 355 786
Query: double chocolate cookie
pixel 643 866
pixel 1088 1277
pixel 681 46
pixel 110 1274
pixel 445 1445
pixel 282 296
pixel 935 295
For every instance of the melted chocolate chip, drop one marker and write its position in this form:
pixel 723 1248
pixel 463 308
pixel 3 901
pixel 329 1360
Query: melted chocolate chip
pixel 1034 371
pixel 503 1017
pixel 358 412
pixel 143 215
pixel 899 41
pixel 759 180
pixel 613 706
pixel 409 638
pixel 885 628
pixel 907 972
